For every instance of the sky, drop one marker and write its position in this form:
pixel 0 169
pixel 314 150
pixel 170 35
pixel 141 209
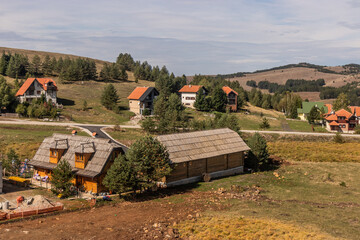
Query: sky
pixel 189 37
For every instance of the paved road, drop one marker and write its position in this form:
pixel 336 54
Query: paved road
pixel 96 127
pixel 303 133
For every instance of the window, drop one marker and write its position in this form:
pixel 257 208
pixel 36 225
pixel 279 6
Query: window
pixel 53 153
pixel 187 104
pixel 79 158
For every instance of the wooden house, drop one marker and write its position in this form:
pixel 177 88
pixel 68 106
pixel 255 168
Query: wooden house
pixel 231 98
pixel 142 98
pixel 215 153
pixel 33 88
pixel 188 94
pixel 89 158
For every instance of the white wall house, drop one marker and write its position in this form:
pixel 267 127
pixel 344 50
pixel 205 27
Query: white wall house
pixel 33 88
pixel 189 93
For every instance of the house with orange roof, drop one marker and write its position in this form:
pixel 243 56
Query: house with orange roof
pixel 188 94
pixel 231 98
pixel 142 98
pixel 33 88
pixel 342 120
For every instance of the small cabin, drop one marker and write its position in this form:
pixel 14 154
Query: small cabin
pixel 215 153
pixel 90 158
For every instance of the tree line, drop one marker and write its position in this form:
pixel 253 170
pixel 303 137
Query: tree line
pixel 294 85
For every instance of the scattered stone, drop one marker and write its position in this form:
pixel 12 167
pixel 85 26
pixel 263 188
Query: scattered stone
pixel 26 232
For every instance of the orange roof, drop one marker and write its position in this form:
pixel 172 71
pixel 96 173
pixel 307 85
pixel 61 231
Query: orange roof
pixel 190 89
pixel 355 109
pixel 333 123
pixel 228 90
pixel 137 93
pixel 343 113
pixel 331 117
pixel 29 81
pixel 329 107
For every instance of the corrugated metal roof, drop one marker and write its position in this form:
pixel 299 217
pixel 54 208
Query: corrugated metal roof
pixel 184 147
pixel 101 150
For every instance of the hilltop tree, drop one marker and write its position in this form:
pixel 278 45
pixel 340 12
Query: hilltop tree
pixel 219 100
pixel 126 61
pixel 47 66
pixel 341 102
pixel 61 178
pixel 109 97
pixel 35 66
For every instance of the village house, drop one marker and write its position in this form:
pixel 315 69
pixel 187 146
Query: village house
pixel 33 88
pixel 142 98
pixel 231 98
pixel 342 120
pixel 304 111
pixel 211 153
pixel 90 158
pixel 188 94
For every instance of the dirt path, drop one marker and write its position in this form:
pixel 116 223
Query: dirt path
pixel 128 220
pixel 285 126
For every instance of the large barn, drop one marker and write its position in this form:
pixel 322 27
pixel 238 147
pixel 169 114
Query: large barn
pixel 214 153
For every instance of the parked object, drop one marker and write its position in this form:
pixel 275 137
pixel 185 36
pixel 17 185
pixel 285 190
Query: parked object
pixel 204 155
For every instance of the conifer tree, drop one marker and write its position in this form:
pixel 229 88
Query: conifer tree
pixel 61 178
pixel 258 158
pixel 109 97
pixel 219 100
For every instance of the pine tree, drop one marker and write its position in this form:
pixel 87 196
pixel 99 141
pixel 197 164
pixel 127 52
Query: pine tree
pixel 219 100
pixel 109 97
pixel 46 66
pixel 200 101
pixel 314 114
pixel 341 102
pixel 121 176
pixel 151 161
pixel 61 178
pixel 258 158
pixel 35 67
pixel 264 124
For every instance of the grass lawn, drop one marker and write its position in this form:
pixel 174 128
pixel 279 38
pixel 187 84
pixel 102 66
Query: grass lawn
pixel 313 151
pixel 302 126
pixel 26 139
pixel 126 136
pixel 73 96
pixel 252 122
pixel 299 200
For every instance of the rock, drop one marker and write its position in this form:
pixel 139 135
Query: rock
pixel 155 225
pixel 26 232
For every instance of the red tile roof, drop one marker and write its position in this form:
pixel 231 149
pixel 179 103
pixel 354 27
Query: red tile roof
pixel 343 113
pixel 29 81
pixel 137 93
pixel 228 90
pixel 331 117
pixel 190 89
pixel 333 123
pixel 355 109
pixel 329 107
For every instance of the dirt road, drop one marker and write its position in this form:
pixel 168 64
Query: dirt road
pixel 151 219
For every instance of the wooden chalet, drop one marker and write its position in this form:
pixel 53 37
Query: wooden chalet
pixel 89 158
pixel 231 98
pixel 214 153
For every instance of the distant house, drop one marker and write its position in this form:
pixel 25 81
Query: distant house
pixel 218 152
pixel 90 158
pixel 342 120
pixel 142 98
pixel 231 98
pixel 188 94
pixel 33 88
pixel 307 106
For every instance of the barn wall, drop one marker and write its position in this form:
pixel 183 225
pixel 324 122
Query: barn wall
pixel 179 172
pixel 215 164
pixel 197 167
pixel 235 160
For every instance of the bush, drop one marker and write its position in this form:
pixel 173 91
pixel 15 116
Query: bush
pixel 61 179
pixel 264 124
pixel 258 158
pixel 338 138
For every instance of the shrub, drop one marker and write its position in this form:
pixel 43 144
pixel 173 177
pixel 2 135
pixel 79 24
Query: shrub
pixel 338 138
pixel 61 179
pixel 265 123
pixel 258 158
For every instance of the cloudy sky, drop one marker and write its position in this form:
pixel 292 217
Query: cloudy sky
pixel 198 36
